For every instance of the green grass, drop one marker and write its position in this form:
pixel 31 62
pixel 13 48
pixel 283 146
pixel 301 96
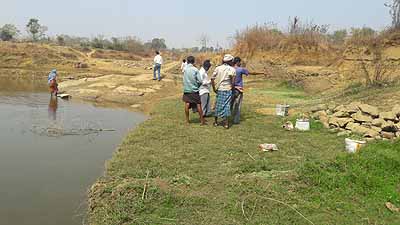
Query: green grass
pixel 207 175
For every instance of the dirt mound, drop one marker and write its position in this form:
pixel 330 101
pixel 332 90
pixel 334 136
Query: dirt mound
pixel 36 55
pixel 109 54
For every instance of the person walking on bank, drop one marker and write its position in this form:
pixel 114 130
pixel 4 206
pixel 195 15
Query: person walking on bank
pixel 222 82
pixel 205 89
pixel 191 85
pixel 183 65
pixel 238 90
pixel 158 61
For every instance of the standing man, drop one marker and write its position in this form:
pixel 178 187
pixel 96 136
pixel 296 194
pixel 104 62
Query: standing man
pixel 158 61
pixel 223 82
pixel 183 65
pixel 191 86
pixel 205 89
pixel 238 89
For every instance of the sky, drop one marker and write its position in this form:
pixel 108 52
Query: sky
pixel 180 22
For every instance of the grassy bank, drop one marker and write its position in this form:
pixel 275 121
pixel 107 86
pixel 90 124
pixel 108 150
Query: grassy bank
pixel 166 172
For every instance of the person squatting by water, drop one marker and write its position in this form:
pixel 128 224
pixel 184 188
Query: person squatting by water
pixel 158 61
pixel 238 89
pixel 191 87
pixel 222 82
pixel 52 82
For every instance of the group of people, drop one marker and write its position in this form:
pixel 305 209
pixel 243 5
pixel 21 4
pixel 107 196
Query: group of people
pixel 226 81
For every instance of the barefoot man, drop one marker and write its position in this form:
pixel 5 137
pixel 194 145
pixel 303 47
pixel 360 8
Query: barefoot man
pixel 222 82
pixel 191 86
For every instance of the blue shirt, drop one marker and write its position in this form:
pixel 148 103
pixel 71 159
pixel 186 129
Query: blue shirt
pixel 240 71
pixel 191 79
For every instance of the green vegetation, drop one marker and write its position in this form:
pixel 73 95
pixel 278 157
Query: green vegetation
pixel 8 32
pixel 166 172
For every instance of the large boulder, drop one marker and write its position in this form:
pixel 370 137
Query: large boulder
pixel 362 117
pixel 370 110
pixel 388 116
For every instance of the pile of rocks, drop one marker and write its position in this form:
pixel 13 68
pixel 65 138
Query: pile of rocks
pixel 361 119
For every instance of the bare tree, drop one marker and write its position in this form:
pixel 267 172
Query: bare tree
pixel 204 39
pixel 394 7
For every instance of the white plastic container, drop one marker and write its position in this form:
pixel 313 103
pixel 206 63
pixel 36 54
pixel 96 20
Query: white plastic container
pixel 282 110
pixel 303 125
pixel 353 146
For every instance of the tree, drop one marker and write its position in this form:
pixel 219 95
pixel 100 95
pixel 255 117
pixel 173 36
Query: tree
pixel 60 40
pixel 394 7
pixel 339 36
pixel 36 30
pixel 157 44
pixel 204 39
pixel 8 32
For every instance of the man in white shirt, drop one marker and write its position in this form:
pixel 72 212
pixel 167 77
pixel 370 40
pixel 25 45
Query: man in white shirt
pixel 205 87
pixel 183 66
pixel 158 61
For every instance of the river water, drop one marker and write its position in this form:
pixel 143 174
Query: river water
pixel 51 151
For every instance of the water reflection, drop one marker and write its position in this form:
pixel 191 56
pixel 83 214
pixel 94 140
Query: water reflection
pixel 53 106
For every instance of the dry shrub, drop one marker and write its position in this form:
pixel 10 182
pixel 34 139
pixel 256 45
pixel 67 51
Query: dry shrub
pixel 305 35
pixel 268 37
pixel 259 37
pixel 364 36
pixel 377 73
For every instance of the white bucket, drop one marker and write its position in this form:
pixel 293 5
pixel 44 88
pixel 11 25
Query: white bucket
pixel 282 110
pixel 353 146
pixel 303 125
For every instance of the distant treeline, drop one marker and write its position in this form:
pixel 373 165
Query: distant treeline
pixel 35 32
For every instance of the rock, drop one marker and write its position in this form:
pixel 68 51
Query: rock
pixel 359 129
pixel 344 133
pixel 378 122
pixel 341 114
pixel 369 140
pixel 325 121
pixel 340 108
pixel 388 116
pixel 377 129
pixel 353 107
pixel 361 117
pixel 389 126
pixel 396 110
pixel 340 122
pixel 319 115
pixel 370 110
pixel 320 107
pixel 388 135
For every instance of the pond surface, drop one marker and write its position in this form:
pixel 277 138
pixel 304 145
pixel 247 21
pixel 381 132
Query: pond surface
pixel 51 152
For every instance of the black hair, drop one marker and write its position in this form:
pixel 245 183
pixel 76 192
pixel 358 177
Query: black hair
pixel 184 60
pixel 207 64
pixel 237 61
pixel 191 60
pixel 157 52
